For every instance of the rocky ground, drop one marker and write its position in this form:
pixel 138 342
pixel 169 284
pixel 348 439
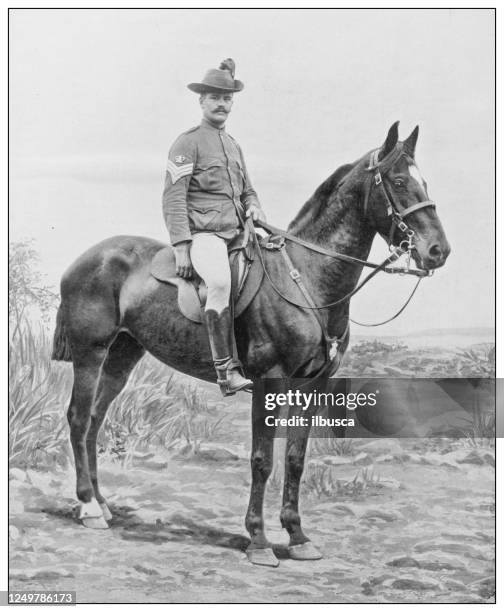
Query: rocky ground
pixel 397 521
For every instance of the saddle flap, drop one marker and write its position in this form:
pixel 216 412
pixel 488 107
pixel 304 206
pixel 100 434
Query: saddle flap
pixel 191 293
pixel 246 275
pixel 163 266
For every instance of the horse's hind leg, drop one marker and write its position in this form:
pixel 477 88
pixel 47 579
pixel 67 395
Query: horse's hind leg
pixel 87 365
pixel 122 357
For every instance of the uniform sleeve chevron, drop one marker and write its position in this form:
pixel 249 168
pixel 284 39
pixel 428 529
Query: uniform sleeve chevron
pixel 177 172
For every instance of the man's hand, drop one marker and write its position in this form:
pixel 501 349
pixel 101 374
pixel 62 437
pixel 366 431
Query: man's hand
pixel 256 213
pixel 183 259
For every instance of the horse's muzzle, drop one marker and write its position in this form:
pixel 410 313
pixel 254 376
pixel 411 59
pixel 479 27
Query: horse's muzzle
pixel 432 256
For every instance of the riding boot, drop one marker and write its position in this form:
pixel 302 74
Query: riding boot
pixel 221 335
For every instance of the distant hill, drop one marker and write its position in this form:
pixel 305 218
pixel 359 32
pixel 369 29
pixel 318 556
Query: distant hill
pixel 445 337
pixel 484 332
pixel 455 331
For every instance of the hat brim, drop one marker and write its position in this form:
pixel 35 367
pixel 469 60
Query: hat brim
pixel 203 88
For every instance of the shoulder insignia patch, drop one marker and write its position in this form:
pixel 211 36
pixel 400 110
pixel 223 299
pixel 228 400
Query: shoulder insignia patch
pixel 180 159
pixel 178 172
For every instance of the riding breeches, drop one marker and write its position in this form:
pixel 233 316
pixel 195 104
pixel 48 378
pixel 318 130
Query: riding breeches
pixel 209 258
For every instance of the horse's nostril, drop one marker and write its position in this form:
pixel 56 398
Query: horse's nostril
pixel 435 251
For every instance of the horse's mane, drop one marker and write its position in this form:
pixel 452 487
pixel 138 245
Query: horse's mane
pixel 318 201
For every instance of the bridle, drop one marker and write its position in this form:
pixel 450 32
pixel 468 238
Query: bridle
pixel 379 169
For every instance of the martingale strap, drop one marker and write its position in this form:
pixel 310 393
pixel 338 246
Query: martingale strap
pixel 332 343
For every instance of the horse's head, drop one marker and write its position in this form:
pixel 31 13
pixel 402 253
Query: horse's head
pixel 397 204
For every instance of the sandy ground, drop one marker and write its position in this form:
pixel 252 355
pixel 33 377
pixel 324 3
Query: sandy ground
pixel 421 530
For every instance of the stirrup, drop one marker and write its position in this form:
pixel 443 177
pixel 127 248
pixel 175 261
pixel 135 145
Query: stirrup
pixel 226 391
pixel 231 368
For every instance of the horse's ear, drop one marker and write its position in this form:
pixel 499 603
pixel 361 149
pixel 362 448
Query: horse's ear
pixel 409 144
pixel 390 141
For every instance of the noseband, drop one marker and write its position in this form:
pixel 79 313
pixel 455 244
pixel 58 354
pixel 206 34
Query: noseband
pixel 394 210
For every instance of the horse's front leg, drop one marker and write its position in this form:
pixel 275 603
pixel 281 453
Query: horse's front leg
pixel 300 546
pixel 259 551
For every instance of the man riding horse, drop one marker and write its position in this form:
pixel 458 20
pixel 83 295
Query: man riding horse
pixel 113 309
pixel 207 195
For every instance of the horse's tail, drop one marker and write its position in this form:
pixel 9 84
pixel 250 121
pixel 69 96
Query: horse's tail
pixel 61 346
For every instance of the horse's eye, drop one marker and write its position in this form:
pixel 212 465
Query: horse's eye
pixel 398 182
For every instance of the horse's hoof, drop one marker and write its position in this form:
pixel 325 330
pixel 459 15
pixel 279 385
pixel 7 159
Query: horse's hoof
pixel 91 515
pixel 304 552
pixel 262 556
pixel 90 509
pixel 107 515
pixel 95 522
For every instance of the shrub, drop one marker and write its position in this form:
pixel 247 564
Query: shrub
pixel 38 393
pixel 156 408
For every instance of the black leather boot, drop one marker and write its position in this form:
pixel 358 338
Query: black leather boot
pixel 221 335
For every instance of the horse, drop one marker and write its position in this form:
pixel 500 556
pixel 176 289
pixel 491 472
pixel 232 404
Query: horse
pixel 112 311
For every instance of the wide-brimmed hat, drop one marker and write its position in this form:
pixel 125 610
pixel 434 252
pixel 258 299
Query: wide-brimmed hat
pixel 218 79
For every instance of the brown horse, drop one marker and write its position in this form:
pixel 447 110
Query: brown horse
pixel 112 311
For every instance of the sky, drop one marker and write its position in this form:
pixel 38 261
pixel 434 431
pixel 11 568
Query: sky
pixel 97 97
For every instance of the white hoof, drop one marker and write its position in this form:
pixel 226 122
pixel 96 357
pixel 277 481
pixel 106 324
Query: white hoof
pixel 107 515
pixel 95 523
pixel 304 552
pixel 90 510
pixel 262 556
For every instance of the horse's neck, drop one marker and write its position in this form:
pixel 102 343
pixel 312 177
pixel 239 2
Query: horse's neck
pixel 339 227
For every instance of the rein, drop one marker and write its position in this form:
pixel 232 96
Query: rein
pixel 296 276
pixel 275 231
pixel 334 346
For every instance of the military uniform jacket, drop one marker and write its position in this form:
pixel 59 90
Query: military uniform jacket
pixel 206 182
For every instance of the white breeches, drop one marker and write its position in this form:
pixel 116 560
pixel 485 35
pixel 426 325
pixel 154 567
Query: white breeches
pixel 210 260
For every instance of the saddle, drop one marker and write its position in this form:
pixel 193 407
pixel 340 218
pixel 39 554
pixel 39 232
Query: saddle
pixel 246 278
